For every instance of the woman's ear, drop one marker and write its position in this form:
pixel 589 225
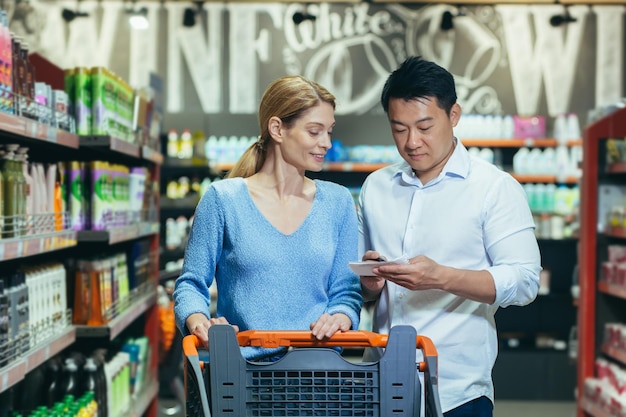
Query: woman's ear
pixel 275 127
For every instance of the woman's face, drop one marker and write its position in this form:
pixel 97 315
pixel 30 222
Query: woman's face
pixel 305 143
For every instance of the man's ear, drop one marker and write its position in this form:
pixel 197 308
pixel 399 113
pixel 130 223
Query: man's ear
pixel 455 114
pixel 275 127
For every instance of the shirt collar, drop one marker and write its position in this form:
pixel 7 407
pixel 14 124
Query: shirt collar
pixel 457 166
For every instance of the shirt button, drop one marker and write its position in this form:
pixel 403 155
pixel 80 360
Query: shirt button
pixel 401 295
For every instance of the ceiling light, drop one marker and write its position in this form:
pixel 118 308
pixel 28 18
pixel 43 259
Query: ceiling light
pixel 190 13
pixel 138 18
pixel 299 17
pixel 69 15
pixel 562 19
pixel 447 19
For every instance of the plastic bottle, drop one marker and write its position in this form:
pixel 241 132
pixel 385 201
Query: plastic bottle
pixel 199 145
pixel 486 154
pixel 573 127
pixel 560 129
pixel 10 195
pixel 562 162
pixel 18 161
pixel 53 382
pixel 508 127
pixel 520 161
pixel 211 148
pixel 90 375
pixel 541 198
pixel 4 324
pixel 172 144
pixel 185 149
pixel 70 384
pixel 28 190
pixel 1 203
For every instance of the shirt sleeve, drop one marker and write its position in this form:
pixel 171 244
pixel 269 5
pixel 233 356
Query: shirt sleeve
pixel 344 287
pixel 511 244
pixel 363 243
pixel 191 294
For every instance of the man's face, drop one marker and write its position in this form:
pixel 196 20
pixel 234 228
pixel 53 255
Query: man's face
pixel 423 134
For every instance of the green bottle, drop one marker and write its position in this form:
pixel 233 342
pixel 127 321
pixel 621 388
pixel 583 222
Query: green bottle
pixel 9 195
pixel 20 225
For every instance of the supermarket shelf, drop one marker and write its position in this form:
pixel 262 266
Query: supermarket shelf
pixel 40 354
pixel 141 402
pixel 112 144
pixel 544 179
pixel 615 231
pixel 189 202
pixel 35 357
pixel 614 290
pixel 152 155
pixel 12 374
pixel 592 408
pixel 353 166
pixel 119 234
pixel 170 162
pixel 615 353
pixel 616 168
pixel 167 275
pixel 329 166
pixel 34 130
pixel 121 322
pixel 517 143
pixel 37 244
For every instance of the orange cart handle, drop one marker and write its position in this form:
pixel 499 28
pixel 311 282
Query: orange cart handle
pixel 301 338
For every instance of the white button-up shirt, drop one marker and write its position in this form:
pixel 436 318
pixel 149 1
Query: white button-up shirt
pixel 472 216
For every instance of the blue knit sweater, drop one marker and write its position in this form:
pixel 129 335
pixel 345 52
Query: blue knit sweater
pixel 267 280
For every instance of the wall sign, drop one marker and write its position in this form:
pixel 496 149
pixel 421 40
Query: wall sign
pixel 506 58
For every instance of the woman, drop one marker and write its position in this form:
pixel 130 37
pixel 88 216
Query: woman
pixel 277 242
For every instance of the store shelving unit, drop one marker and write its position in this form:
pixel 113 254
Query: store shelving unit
pixel 551 315
pixel 599 302
pixel 172 169
pixel 40 139
pixel 17 370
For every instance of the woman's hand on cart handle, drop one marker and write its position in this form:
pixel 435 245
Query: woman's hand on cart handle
pixel 327 325
pixel 198 324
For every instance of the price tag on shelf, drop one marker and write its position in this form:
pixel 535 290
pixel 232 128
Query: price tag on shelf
pixel 32 129
pixel 47 244
pixel 5 381
pixel 12 250
pixel 51 134
pixel 529 142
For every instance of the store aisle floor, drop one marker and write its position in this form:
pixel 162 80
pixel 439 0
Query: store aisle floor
pixel 534 408
pixel 168 408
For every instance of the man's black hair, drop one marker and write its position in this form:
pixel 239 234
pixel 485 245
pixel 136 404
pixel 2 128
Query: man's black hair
pixel 418 78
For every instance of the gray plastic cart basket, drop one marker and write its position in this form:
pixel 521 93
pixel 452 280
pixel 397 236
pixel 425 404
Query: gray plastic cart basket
pixel 312 379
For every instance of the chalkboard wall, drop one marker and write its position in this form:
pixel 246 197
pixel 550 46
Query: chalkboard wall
pixel 507 59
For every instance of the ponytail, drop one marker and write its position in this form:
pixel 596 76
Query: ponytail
pixel 250 162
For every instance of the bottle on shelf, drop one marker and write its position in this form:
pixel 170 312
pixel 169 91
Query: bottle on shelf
pixel 53 380
pixel 186 146
pixel 172 144
pixel 70 382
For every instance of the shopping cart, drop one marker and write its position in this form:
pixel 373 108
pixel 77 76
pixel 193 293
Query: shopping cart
pixel 312 379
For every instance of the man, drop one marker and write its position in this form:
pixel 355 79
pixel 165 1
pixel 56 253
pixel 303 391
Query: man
pixel 466 228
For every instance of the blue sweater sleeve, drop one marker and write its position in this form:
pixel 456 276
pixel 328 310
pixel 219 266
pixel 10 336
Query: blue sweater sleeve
pixel 344 289
pixel 191 294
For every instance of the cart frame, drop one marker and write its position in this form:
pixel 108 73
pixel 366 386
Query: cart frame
pixel 313 379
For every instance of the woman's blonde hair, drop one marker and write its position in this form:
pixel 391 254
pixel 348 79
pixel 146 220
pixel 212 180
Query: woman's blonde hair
pixel 286 98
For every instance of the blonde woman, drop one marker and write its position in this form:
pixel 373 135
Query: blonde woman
pixel 276 242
